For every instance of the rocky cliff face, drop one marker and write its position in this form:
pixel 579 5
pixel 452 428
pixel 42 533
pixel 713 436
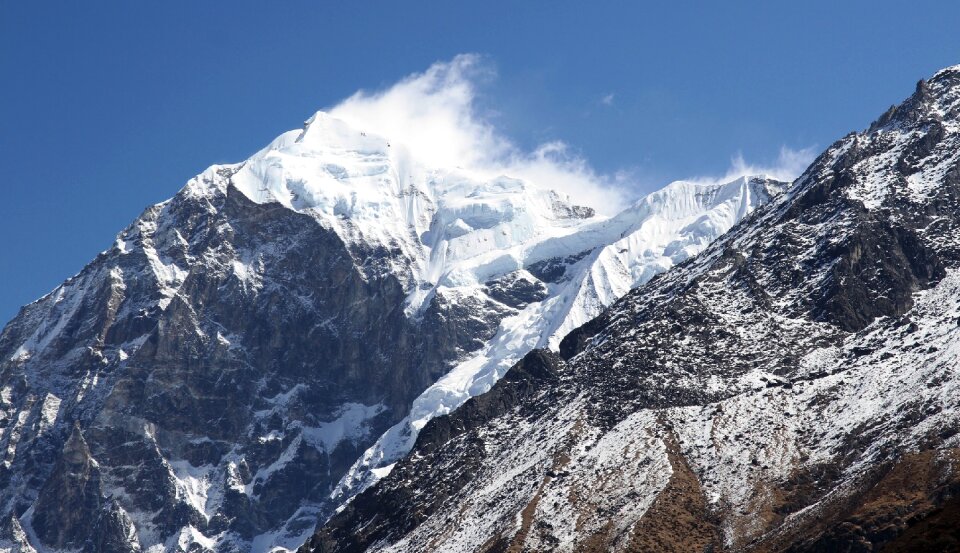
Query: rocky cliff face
pixel 202 366
pixel 792 388
pixel 241 351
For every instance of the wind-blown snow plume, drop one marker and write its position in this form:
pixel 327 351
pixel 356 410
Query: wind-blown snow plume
pixel 788 166
pixel 434 114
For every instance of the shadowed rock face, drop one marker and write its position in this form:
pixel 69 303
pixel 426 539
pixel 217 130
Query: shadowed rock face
pixel 792 388
pixel 217 370
pixel 68 505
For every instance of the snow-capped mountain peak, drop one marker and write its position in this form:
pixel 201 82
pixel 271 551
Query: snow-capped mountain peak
pixel 297 318
pixel 453 226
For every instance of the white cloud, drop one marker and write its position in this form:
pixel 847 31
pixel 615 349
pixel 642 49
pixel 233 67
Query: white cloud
pixel 790 163
pixel 435 115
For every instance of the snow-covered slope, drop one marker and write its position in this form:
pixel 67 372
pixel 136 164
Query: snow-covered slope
pixel 791 388
pixel 587 271
pixel 206 382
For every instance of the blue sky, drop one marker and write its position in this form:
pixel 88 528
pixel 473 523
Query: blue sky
pixel 108 107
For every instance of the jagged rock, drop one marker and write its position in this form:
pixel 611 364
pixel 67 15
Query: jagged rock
pixel 67 506
pixel 13 538
pixel 114 531
pixel 517 290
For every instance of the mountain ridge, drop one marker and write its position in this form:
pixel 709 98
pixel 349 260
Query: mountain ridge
pixel 770 394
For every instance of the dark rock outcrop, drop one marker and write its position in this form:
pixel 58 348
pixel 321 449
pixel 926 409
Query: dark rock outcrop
pixel 535 372
pixel 68 505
